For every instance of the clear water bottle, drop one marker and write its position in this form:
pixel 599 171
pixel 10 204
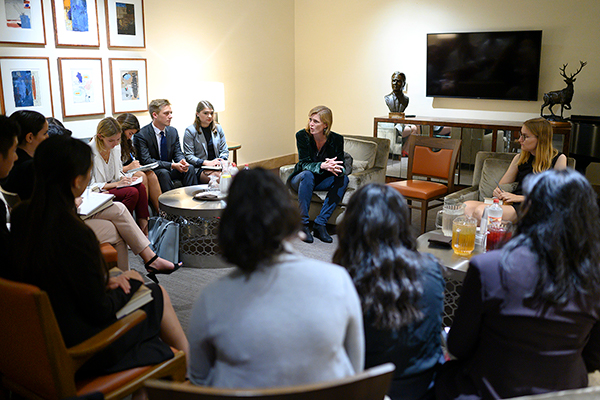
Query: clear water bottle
pixel 494 212
pixel 225 179
pixel 246 167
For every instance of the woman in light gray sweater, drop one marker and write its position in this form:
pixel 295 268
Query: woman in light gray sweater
pixel 279 319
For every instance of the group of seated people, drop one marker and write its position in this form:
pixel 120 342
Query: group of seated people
pixel 528 319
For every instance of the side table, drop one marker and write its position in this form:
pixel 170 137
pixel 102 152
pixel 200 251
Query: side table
pixel 234 147
pixel 455 269
pixel 199 224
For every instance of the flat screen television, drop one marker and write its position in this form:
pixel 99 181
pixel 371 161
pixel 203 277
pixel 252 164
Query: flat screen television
pixel 484 65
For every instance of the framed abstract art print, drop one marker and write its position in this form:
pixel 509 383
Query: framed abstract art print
pixel 22 21
pixel 128 85
pixel 81 86
pixel 75 23
pixel 125 23
pixel 26 85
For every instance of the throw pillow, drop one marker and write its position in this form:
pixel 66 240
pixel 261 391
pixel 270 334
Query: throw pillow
pixel 348 161
pixel 361 150
pixel 492 171
pixel 359 166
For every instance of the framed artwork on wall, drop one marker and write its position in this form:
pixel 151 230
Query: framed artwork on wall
pixel 125 23
pixel 22 21
pixel 75 23
pixel 26 85
pixel 128 84
pixel 81 86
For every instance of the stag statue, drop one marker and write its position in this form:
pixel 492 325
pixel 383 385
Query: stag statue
pixel 562 97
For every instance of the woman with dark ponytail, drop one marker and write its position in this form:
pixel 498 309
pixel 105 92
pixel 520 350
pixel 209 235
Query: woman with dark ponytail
pixel 58 253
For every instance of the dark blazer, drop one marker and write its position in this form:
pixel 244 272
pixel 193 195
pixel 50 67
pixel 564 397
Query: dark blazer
pixel 310 159
pixel 5 245
pixel 146 146
pixel 507 346
pixel 21 177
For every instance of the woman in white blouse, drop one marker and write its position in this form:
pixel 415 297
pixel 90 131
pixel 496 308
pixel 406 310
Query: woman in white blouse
pixel 107 171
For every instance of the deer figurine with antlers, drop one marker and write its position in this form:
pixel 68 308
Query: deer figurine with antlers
pixel 562 97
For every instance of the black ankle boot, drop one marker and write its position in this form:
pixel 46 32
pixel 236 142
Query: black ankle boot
pixel 308 238
pixel 320 232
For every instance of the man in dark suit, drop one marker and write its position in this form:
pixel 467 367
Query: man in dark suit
pixel 159 142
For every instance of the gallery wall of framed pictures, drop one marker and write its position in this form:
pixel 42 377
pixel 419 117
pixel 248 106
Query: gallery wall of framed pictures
pixel 27 79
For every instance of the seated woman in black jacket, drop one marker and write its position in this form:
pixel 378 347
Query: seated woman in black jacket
pixel 58 253
pixel 528 320
pixel 320 166
pixel 9 130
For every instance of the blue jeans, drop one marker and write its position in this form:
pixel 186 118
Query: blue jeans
pixel 305 183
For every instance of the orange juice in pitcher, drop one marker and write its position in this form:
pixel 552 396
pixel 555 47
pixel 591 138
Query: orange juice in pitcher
pixel 463 235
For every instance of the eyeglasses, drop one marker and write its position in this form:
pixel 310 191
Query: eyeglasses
pixel 523 137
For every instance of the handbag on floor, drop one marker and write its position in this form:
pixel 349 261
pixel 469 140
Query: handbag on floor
pixel 164 238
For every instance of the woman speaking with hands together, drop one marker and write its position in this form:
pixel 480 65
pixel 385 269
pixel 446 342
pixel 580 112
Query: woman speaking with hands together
pixel 320 167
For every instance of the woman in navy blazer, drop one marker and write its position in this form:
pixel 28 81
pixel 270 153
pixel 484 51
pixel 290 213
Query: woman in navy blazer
pixel 204 142
pixel 528 320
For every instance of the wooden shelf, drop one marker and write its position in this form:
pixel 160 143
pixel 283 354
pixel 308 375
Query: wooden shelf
pixel 559 128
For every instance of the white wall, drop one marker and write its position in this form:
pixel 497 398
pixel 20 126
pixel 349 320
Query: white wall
pixel 347 50
pixel 248 45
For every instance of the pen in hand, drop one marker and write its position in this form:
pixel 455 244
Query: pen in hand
pixel 498 185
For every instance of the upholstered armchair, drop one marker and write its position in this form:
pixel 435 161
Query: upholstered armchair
pixel 489 169
pixel 36 364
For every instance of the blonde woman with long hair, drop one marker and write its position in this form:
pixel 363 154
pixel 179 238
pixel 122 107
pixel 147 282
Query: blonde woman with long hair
pixel 537 155
pixel 107 171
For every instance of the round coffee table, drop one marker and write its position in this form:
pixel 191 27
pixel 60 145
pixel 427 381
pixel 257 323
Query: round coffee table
pixel 199 224
pixel 455 269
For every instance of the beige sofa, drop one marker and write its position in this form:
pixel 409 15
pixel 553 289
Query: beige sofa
pixel 369 155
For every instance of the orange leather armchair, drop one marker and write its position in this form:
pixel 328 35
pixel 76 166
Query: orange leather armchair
pixel 429 158
pixel 109 253
pixel 35 363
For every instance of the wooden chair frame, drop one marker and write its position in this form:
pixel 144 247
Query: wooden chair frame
pixel 433 143
pixel 35 363
pixel 371 384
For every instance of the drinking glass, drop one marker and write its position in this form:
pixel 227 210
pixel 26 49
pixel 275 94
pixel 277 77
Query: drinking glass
pixel 498 234
pixel 213 183
pixel 463 235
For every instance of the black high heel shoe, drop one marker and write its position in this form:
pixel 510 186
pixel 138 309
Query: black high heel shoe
pixel 152 272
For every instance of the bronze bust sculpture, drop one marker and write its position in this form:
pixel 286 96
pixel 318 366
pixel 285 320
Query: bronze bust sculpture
pixel 562 97
pixel 397 101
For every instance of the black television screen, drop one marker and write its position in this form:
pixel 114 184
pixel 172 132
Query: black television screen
pixel 484 65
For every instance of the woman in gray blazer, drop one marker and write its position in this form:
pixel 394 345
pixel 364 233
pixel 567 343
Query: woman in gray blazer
pixel 204 143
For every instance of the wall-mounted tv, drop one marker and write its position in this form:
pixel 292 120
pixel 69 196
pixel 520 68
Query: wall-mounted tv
pixel 484 65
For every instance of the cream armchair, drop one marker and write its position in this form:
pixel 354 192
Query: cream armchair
pixel 489 169
pixel 369 155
